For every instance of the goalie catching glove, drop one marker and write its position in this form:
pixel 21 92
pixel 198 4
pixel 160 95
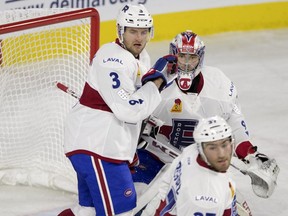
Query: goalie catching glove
pixel 165 68
pixel 263 172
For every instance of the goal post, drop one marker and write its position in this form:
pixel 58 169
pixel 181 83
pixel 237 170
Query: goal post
pixel 38 48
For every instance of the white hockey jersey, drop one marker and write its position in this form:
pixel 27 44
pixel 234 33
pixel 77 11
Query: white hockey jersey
pixel 181 112
pixel 189 187
pixel 107 120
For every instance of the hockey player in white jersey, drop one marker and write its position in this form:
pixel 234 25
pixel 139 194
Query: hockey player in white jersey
pixel 197 183
pixel 102 131
pixel 199 92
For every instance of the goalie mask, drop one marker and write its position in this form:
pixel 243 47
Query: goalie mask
pixel 209 130
pixel 135 16
pixel 190 50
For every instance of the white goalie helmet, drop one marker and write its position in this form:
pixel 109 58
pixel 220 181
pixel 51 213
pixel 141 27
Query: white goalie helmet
pixel 135 16
pixel 188 42
pixel 209 130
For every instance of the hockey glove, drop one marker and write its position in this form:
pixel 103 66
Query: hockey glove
pixel 263 172
pixel 152 125
pixel 165 68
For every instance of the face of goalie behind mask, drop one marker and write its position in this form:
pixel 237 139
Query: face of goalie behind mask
pixel 190 50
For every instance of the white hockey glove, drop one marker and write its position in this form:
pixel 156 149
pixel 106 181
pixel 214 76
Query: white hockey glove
pixel 152 122
pixel 263 172
pixel 165 68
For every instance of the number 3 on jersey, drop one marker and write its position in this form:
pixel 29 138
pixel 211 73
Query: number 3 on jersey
pixel 116 84
pixel 115 79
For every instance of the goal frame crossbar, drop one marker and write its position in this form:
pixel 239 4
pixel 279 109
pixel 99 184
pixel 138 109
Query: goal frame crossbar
pixel 60 18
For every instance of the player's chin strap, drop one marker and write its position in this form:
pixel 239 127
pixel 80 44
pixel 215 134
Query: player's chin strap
pixel 263 174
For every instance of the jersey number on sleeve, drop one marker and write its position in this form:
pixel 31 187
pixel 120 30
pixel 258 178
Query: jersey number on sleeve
pixel 133 102
pixel 115 79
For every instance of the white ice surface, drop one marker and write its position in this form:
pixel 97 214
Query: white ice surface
pixel 257 62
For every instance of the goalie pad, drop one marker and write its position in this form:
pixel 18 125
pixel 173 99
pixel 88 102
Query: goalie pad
pixel 263 174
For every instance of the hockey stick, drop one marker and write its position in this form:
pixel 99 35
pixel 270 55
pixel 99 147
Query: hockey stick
pixel 69 91
pixel 242 206
pixel 167 149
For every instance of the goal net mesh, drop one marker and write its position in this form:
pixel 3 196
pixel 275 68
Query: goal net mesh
pixel 33 109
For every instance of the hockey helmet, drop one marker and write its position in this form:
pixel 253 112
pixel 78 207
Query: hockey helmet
pixel 209 130
pixel 135 16
pixel 190 50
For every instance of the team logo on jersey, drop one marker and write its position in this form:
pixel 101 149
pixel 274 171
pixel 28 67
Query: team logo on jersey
pixel 177 107
pixel 113 60
pixel 128 192
pixel 182 132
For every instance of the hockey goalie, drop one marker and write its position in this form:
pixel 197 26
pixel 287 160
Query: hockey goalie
pixel 198 92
